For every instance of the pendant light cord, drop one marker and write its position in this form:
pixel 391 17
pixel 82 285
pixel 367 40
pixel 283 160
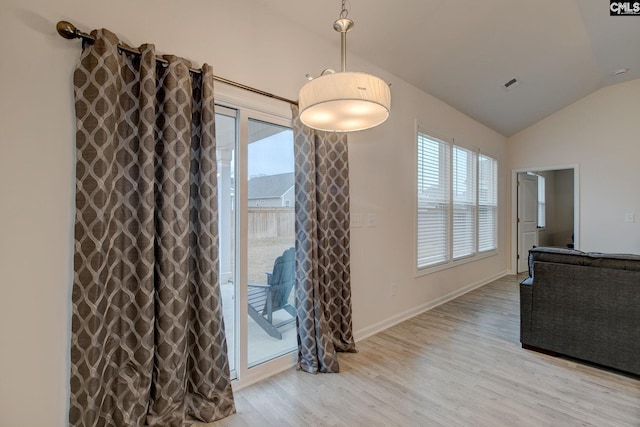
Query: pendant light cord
pixel 344 12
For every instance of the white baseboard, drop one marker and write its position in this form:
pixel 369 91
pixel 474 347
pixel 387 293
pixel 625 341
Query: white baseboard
pixel 401 317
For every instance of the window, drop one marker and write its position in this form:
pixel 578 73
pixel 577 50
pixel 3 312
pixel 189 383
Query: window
pixel 541 203
pixel 487 203
pixel 456 202
pixel 464 202
pixel 433 201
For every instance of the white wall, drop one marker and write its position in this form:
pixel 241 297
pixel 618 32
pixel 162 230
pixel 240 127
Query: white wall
pixel 382 182
pixel 243 42
pixel 599 133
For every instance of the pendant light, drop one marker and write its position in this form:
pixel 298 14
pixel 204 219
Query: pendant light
pixel 344 101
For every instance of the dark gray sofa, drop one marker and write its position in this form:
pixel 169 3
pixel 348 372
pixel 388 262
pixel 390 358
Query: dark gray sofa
pixel 583 305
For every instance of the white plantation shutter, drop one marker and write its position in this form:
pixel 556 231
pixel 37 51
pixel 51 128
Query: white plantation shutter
pixel 433 192
pixel 487 203
pixel 464 202
pixel 457 202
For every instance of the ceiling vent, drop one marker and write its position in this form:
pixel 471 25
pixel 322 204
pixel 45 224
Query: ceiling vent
pixel 511 84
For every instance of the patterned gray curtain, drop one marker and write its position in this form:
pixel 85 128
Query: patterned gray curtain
pixel 323 282
pixel 148 344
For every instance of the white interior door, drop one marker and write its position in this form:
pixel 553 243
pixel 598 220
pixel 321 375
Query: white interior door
pixel 527 217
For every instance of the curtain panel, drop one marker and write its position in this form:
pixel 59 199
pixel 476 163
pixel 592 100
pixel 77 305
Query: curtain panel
pixel 148 344
pixel 323 280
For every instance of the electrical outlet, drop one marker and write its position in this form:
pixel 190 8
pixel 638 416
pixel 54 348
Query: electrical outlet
pixel 356 220
pixel 629 217
pixel 394 289
pixel 372 220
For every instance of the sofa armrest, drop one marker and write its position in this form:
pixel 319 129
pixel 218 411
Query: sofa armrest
pixel 526 301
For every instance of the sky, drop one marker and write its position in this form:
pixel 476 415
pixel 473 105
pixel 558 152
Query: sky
pixel 272 155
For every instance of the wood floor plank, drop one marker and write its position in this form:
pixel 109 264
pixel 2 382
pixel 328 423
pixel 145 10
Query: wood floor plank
pixel 460 364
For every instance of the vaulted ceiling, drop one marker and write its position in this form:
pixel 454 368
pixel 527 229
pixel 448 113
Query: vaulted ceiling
pixel 464 51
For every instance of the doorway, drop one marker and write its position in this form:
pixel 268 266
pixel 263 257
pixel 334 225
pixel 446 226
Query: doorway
pixel 544 210
pixel 528 215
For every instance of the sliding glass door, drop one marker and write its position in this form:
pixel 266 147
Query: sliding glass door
pixel 270 222
pixel 256 228
pixel 226 143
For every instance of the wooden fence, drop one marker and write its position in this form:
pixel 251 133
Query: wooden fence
pixel 271 222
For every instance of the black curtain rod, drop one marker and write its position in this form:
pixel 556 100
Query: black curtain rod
pixel 69 31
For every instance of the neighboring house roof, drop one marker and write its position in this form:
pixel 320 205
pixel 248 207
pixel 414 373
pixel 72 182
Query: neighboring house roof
pixel 270 186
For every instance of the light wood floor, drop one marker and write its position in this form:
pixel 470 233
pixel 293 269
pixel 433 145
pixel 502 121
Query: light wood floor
pixel 459 364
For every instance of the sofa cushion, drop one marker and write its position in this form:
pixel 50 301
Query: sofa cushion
pixel 615 261
pixel 592 259
pixel 560 255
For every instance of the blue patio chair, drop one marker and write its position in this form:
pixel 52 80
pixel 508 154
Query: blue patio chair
pixel 264 300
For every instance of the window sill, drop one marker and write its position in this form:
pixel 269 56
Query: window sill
pixel 453 264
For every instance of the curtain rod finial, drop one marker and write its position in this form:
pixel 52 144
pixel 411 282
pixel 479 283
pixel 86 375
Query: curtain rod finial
pixel 67 30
